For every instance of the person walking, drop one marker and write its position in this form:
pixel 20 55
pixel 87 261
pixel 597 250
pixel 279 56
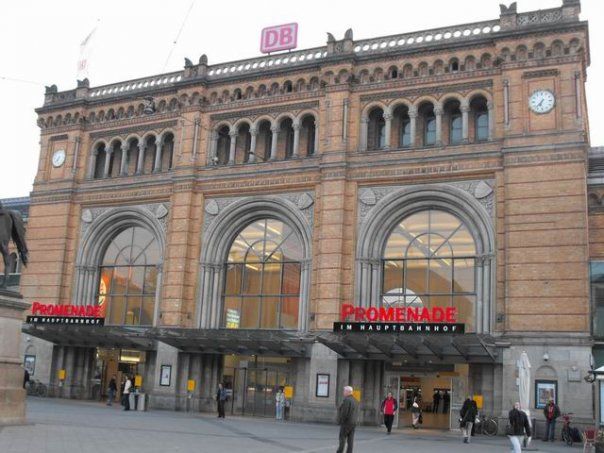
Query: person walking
pixel 221 397
pixel 279 404
pixel 347 419
pixel 111 390
pixel 389 407
pixel 126 393
pixel 435 401
pixel 518 427
pixel 468 415
pixel 416 413
pixel 25 378
pixel 551 413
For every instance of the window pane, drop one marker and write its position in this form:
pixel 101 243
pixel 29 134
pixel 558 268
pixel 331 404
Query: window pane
pixel 119 284
pixel 416 224
pixel 232 312
pixel 416 276
pixel 117 306
pixel 269 317
pixel 238 251
pixel 440 301
pixel 465 311
pixel 443 223
pixel 147 313
pixel 292 248
pixel 135 283
pixel 291 278
pixel 289 312
pixel 397 243
pixel 440 276
pixel 419 248
pixel 251 278
pixel 482 126
pixel 462 243
pixel 430 133
pixel 393 277
pixel 233 279
pixel 271 278
pixel 464 276
pixel 456 129
pixel 150 280
pixel 250 311
pixel 405 133
pixel 133 313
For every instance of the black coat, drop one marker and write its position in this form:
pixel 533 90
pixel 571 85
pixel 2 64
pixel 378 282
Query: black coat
pixel 519 424
pixel 348 412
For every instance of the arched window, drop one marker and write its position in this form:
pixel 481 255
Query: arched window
pixel 402 126
pixel 128 278
pixel 308 134
pixel 223 146
pixel 429 261
pixel 262 283
pixel 428 121
pixel 480 118
pixel 453 115
pixel 377 129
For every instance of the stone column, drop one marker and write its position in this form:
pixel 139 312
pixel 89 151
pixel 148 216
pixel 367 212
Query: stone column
pixel 316 136
pixel 254 135
pixel 108 154
pixel 387 129
pixel 12 394
pixel 157 162
pixel 465 109
pixel 363 139
pixel 141 157
pixel 491 110
pixel 124 163
pixel 274 140
pixel 412 125
pixel 213 145
pixel 296 127
pixel 233 135
pixel 438 111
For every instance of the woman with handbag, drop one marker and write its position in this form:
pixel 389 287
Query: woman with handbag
pixel 416 413
pixel 518 427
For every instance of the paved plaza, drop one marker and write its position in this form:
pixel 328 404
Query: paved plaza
pixel 87 427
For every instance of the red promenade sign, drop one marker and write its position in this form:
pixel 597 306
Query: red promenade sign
pixel 279 37
pixel 398 319
pixel 66 314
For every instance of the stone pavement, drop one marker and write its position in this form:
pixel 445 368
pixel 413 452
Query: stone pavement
pixel 89 427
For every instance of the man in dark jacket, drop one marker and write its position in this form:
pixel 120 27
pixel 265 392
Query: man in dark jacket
pixel 347 419
pixel 221 396
pixel 551 413
pixel 519 426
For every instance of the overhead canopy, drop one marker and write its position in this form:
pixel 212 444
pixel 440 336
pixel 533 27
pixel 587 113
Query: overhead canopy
pixel 235 341
pixel 92 336
pixel 468 348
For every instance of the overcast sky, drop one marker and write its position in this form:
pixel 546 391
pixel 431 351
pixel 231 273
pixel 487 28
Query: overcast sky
pixel 40 46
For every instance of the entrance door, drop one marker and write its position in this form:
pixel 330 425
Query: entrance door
pixel 255 390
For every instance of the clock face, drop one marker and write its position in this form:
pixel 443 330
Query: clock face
pixel 542 101
pixel 58 158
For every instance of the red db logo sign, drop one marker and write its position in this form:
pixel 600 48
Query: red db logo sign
pixel 279 37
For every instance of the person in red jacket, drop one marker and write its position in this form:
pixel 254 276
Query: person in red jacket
pixel 389 408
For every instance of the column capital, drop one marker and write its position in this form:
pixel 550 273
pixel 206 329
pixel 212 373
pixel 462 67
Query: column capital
pixel 253 131
pixel 125 147
pixel 296 126
pixel 275 129
pixel 109 149
pixel 464 108
pixel 233 133
pixel 214 135
pixel 387 115
pixel 142 146
pixel 412 112
pixel 490 105
pixel 364 119
pixel 438 110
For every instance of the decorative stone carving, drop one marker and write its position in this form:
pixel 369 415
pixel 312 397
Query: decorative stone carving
pixel 86 216
pixel 161 211
pixel 212 207
pixel 305 201
pixel 368 197
pixel 482 190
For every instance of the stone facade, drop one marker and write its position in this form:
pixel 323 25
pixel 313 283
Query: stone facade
pixel 521 184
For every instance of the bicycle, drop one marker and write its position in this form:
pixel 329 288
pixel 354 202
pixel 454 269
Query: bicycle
pixel 487 425
pixel 567 433
pixel 36 388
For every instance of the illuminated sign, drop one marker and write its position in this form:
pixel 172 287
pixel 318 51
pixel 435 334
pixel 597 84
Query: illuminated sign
pixel 233 318
pixel 279 37
pixel 90 315
pixel 434 320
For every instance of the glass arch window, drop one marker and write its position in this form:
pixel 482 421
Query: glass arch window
pixel 128 278
pixel 262 278
pixel 429 261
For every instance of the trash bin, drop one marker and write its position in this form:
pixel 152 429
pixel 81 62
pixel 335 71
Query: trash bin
pixel 141 404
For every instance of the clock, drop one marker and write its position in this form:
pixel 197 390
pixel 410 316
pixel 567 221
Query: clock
pixel 542 101
pixel 58 158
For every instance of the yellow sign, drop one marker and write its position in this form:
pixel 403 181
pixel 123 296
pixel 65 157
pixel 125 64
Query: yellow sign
pixel 191 385
pixel 62 374
pixel 138 380
pixel 356 394
pixel 288 391
pixel 479 400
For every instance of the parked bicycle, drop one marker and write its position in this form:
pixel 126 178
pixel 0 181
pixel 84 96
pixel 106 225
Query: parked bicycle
pixel 569 433
pixel 36 388
pixel 486 425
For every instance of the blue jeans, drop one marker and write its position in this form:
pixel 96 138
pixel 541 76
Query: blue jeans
pixel 111 397
pixel 550 429
pixel 279 411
